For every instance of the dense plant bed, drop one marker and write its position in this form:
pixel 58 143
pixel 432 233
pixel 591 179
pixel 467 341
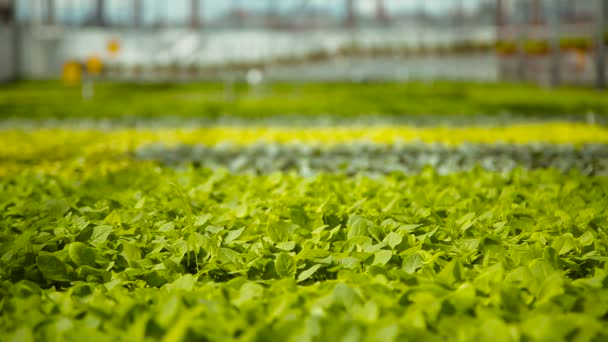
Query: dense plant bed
pixel 60 144
pixel 150 253
pixel 51 150
pixel 374 159
pixel 307 233
pixel 53 100
pixel 295 120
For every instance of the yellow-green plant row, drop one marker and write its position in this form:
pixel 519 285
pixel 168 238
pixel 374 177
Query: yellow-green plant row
pixel 61 143
pixel 50 149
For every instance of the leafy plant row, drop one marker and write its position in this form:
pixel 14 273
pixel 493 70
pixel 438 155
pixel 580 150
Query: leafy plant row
pixel 40 100
pixel 375 159
pixel 151 253
pixel 61 144
pixel 294 120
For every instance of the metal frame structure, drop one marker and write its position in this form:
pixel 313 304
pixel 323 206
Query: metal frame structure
pixel 600 44
pixel 46 11
pixel 537 20
pixel 195 18
pixel 9 47
pixel 550 21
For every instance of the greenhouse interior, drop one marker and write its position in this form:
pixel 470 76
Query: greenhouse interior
pixel 303 170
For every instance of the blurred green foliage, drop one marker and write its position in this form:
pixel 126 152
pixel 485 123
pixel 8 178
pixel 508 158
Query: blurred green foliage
pixel 54 100
pixel 152 254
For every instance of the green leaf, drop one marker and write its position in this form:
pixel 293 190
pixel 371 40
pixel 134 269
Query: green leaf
pixel 52 267
pixel 489 278
pixel 285 265
pixel 382 257
pixel 409 227
pixel 140 203
pixel 82 254
pixel 308 273
pixel 453 272
pixel 464 298
pixel 90 274
pixel 233 235
pixel 286 246
pixel 82 290
pixel 100 235
pixel 413 263
pixel 357 226
pixel 130 251
pixel 349 262
pixel 170 311
pixel 393 239
pixel 277 232
pixel 466 221
pixel 166 227
pixel 564 244
pixel 229 256
pixel 585 216
pixel 178 331
pixel 185 282
pixel 387 334
pixel 154 279
pixel 298 216
pixel 312 254
pixel 23 335
pixel 550 287
pixel 114 218
pixel 346 296
pixel 586 239
pixel 202 220
pixel 249 292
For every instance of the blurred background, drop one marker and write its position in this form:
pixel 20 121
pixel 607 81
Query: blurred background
pixel 546 42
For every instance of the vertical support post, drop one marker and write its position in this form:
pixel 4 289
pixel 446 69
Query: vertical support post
pixel 165 13
pixel 351 17
pixel 420 24
pixel 270 14
pixel 500 18
pixel 499 22
pixel 536 12
pixel 600 44
pixel 137 13
pixel 16 35
pixel 500 13
pixel 522 36
pixel 554 16
pixel 50 12
pixel 571 10
pixel 99 13
pixel 381 13
pixel 9 46
pixel 461 22
pixel 71 12
pixel 157 9
pixel 195 21
pixel 7 12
